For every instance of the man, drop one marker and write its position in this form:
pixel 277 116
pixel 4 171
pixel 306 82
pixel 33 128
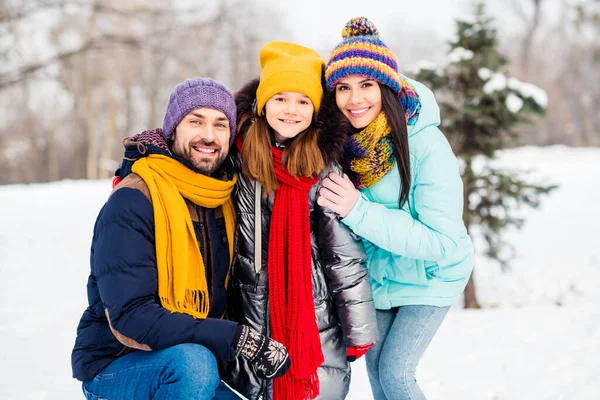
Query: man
pixel 160 259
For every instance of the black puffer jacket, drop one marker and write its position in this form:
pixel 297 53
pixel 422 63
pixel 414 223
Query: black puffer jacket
pixel 342 293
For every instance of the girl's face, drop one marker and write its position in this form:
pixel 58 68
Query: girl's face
pixel 289 113
pixel 359 99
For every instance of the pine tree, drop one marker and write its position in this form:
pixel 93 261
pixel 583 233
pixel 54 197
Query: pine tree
pixel 480 108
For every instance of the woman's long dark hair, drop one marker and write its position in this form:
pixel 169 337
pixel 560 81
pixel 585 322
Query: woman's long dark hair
pixel 392 106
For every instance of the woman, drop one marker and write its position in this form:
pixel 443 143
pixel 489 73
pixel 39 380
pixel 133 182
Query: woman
pixel 304 280
pixel 408 206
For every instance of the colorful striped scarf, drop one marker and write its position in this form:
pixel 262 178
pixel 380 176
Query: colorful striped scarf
pixel 370 153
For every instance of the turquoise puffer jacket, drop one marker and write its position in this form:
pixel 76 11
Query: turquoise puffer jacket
pixel 420 254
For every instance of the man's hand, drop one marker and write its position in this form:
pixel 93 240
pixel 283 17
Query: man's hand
pixel 268 357
pixel 338 194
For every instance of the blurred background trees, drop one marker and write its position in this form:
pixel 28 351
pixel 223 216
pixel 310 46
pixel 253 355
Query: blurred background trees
pixel 105 71
pixel 76 76
pixel 564 59
pixel 482 108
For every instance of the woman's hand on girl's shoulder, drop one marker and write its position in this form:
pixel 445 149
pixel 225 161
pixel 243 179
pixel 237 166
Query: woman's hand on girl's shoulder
pixel 338 194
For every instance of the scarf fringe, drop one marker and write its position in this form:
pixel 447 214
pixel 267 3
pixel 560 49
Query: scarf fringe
pixel 196 301
pixel 288 388
pixel 302 381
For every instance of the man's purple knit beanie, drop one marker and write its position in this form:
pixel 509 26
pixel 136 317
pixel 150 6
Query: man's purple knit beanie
pixel 198 93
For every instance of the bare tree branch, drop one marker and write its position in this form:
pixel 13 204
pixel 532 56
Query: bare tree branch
pixel 15 77
pixel 24 12
pixel 529 35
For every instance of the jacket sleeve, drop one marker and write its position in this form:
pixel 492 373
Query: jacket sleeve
pixel 347 277
pixel 438 202
pixel 124 263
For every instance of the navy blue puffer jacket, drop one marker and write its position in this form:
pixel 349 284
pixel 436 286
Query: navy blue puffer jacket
pixel 124 279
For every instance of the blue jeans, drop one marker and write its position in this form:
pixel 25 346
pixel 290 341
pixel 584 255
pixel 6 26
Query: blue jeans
pixel 405 332
pixel 185 371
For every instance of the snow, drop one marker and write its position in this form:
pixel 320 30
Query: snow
pixel 514 103
pixel 537 338
pixel 497 82
pixel 459 54
pixel 426 65
pixel 529 90
pixel 423 65
pixel 484 73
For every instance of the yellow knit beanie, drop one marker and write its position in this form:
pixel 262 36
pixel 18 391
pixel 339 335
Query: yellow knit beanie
pixel 289 67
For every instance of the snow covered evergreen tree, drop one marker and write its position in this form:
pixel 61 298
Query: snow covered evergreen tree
pixel 480 108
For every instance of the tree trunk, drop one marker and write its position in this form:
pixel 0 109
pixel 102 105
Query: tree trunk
pixel 91 134
pixel 470 296
pixel 106 156
pixel 87 71
pixel 528 39
pixel 153 118
pixel 54 150
pixel 589 134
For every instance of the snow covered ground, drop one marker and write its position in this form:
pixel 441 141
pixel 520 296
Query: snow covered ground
pixel 538 337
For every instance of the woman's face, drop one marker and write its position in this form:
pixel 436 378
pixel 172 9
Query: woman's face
pixel 359 99
pixel 289 113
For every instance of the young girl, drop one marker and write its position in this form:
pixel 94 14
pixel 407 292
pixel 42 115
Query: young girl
pixel 303 279
pixel 408 208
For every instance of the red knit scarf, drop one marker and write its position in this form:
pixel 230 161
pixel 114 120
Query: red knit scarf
pixel 291 304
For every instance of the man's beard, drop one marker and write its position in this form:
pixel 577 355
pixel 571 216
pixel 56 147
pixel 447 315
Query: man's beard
pixel 202 166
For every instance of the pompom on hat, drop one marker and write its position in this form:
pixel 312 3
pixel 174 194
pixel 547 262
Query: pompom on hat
pixel 198 93
pixel 289 67
pixel 362 52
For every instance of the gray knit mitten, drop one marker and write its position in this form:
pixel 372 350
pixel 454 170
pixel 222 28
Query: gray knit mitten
pixel 268 357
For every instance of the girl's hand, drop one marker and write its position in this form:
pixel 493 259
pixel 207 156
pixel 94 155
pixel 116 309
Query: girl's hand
pixel 338 194
pixel 355 352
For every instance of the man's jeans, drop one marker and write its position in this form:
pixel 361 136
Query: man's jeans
pixel 185 371
pixel 405 332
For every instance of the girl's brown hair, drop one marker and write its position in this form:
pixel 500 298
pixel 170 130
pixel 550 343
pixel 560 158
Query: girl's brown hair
pixel 301 156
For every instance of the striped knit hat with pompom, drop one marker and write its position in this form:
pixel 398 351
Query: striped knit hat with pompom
pixel 362 52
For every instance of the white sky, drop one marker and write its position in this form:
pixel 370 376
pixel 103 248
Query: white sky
pixel 318 23
pixel 415 30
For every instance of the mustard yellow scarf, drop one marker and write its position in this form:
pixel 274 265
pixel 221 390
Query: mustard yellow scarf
pixel 182 285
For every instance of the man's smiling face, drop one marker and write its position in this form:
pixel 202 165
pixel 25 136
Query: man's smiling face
pixel 202 139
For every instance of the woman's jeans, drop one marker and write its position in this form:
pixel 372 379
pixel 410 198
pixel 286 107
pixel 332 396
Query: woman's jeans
pixel 405 332
pixel 185 371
